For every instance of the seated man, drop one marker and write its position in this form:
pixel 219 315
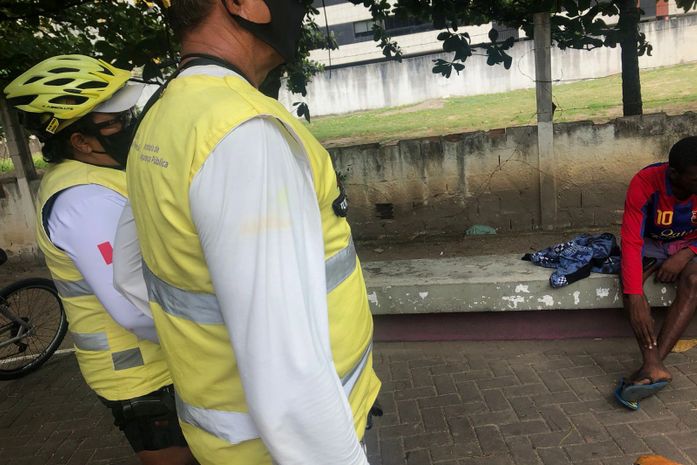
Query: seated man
pixel 659 226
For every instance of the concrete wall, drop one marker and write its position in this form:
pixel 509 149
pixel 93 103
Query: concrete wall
pixel 388 84
pixel 16 234
pixel 442 186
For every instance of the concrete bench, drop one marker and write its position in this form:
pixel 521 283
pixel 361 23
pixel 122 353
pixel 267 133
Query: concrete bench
pixel 493 283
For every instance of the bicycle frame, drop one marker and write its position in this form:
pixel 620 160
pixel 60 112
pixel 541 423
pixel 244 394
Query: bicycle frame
pixel 25 329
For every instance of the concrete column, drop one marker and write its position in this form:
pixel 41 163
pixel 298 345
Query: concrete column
pixel 22 160
pixel 547 163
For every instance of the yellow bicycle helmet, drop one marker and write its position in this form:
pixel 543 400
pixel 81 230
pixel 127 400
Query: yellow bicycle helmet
pixel 62 89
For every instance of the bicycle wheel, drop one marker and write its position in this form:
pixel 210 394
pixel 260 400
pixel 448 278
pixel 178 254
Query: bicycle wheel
pixel 36 301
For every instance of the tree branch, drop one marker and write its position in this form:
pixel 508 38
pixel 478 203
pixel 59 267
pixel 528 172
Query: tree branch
pixel 48 13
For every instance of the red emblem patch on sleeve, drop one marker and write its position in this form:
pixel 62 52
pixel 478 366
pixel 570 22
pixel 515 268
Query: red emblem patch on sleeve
pixel 107 252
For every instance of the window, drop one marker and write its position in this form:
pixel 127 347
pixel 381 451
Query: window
pixel 363 28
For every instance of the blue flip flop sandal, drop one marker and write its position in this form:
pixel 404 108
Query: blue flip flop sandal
pixel 636 392
pixel 631 405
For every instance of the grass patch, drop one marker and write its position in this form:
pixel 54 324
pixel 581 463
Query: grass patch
pixel 6 164
pixel 670 89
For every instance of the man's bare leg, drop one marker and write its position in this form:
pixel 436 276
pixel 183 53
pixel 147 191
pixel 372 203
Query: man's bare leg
pixel 677 319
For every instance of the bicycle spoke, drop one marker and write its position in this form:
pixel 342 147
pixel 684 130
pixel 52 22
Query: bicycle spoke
pixel 40 308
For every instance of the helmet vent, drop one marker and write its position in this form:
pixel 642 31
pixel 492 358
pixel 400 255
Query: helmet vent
pixel 64 70
pixel 107 71
pixel 59 82
pixel 92 85
pixel 23 100
pixel 71 100
pixel 32 79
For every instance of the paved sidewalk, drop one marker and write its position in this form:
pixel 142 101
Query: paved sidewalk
pixel 446 403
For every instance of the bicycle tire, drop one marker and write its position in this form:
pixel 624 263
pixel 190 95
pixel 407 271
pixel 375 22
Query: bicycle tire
pixel 10 294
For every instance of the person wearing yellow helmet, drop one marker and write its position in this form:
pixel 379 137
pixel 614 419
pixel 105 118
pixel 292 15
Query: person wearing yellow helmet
pixel 81 109
pixel 251 272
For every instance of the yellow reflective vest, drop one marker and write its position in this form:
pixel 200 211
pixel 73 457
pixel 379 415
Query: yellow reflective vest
pixel 174 140
pixel 113 361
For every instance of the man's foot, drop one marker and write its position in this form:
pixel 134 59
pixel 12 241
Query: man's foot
pixel 642 384
pixel 649 375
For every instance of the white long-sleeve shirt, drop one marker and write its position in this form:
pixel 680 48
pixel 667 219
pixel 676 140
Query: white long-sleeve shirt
pixel 255 209
pixel 82 222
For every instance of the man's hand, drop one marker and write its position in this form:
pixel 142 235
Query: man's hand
pixel 671 268
pixel 641 320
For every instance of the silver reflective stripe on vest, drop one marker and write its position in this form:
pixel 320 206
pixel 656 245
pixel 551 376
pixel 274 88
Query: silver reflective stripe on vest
pixel 129 358
pixel 340 266
pixel 90 341
pixel 233 427
pixel 351 378
pixel 70 289
pixel 236 427
pixel 203 308
pixel 195 306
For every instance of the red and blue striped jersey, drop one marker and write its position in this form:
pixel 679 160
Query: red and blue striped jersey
pixel 651 210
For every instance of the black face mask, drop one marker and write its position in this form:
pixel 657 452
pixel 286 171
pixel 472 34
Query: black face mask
pixel 283 32
pixel 118 145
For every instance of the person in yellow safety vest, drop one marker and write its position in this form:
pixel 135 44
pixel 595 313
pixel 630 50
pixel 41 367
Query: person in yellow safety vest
pixel 81 109
pixel 252 276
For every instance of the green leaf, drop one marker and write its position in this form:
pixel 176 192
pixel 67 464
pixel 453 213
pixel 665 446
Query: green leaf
pixel 493 35
pixel 507 60
pixel 570 7
pixel 444 35
pixel 584 5
pixel 508 43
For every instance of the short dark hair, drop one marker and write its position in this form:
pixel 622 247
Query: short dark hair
pixel 58 147
pixel 683 154
pixel 185 15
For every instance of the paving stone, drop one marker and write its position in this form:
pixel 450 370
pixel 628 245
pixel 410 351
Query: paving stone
pixel 495 400
pixel 490 439
pixel 454 451
pixel 448 399
pixel 554 398
pixel 526 375
pixel 450 368
pixel 524 408
pixel 468 391
pixel 418 457
pixel 524 428
pixel 500 368
pixel 556 438
pixel 525 390
pixel 596 450
pixel 555 418
pixel 434 419
pixel 408 411
pixel 446 403
pixel 444 384
pixel 415 393
pixel 425 440
pixel 503 381
pixel 661 445
pixel 628 441
pixel 589 428
pixel 461 429
pixel 553 456
pixel 653 427
pixel 522 451
pixel 499 459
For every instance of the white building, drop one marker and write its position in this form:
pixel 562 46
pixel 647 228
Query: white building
pixel 352 24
